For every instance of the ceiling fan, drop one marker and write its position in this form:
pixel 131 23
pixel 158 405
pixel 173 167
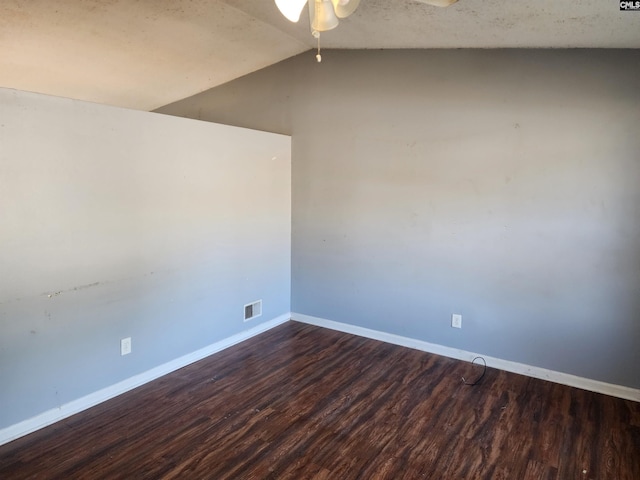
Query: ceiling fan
pixel 324 14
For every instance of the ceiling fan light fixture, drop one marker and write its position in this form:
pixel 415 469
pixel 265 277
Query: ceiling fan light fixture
pixel 323 16
pixel 344 8
pixel 291 9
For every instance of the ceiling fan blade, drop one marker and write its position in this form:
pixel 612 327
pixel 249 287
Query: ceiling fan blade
pixel 291 9
pixel 438 3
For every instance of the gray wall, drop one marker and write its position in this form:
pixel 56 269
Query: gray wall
pixel 502 185
pixel 117 223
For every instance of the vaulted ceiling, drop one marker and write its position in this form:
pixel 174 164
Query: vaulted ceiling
pixel 147 53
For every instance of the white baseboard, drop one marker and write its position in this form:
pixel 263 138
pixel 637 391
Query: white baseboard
pixel 54 415
pixel 507 365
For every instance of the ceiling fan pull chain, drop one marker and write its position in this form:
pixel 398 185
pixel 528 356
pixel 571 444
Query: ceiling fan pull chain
pixel 316 34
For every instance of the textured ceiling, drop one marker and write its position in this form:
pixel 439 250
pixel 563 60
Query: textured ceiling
pixel 148 53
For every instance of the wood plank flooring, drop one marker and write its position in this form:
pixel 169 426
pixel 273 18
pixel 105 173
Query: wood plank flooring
pixel 301 402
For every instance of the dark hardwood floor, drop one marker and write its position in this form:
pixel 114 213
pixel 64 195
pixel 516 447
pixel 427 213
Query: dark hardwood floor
pixel 301 402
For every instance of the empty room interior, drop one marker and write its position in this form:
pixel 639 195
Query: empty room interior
pixel 323 239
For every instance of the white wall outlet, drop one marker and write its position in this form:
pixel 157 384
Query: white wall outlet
pixel 125 346
pixel 456 320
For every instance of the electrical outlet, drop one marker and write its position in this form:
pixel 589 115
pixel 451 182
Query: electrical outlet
pixel 456 320
pixel 125 346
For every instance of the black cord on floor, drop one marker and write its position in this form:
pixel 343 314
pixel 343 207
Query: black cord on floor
pixel 484 370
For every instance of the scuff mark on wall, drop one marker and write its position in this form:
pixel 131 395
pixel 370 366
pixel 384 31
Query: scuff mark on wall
pixel 74 289
pixel 84 287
